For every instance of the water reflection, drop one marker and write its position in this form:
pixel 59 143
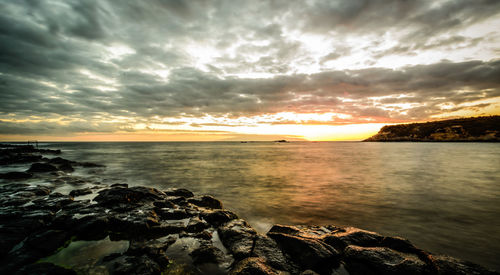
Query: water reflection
pixel 442 196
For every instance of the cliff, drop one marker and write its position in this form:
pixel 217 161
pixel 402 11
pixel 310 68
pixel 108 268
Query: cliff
pixel 465 129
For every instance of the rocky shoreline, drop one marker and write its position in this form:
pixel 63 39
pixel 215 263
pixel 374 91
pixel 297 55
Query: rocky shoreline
pixel 141 230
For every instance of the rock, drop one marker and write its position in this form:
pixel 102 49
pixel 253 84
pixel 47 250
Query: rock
pixel 171 214
pixel 450 266
pixel 206 201
pixel 218 217
pixel 238 237
pixel 45 269
pixel 41 168
pixel 179 192
pixel 140 265
pixel 66 167
pixel 154 249
pixel 382 260
pixel 196 225
pixel 59 161
pixel 253 266
pixel 16 175
pixel 207 254
pixel 80 192
pixel 353 236
pixel 308 253
pixel 268 250
pixel 93 227
pixel 163 204
pixel 135 195
pixel 47 242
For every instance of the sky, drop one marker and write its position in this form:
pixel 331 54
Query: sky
pixel 172 70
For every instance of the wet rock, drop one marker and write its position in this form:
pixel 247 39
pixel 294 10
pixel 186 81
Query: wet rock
pixel 16 175
pixel 171 214
pixel 196 225
pixel 381 260
pixel 116 195
pixel 238 236
pixel 45 269
pixel 206 201
pixel 207 254
pixel 308 253
pixel 93 227
pixel 177 200
pixel 179 192
pixel 47 242
pixel 154 249
pixel 80 192
pixel 164 204
pixel 253 266
pixel 205 235
pixel 41 168
pixel 140 265
pixel 218 217
pixel 352 236
pixel 33 248
pixel 450 266
pixel 268 250
pixel 66 167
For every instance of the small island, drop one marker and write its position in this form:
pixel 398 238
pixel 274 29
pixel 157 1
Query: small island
pixel 483 129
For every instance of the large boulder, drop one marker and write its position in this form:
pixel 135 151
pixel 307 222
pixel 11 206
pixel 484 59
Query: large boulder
pixel 268 250
pixel 238 236
pixel 308 253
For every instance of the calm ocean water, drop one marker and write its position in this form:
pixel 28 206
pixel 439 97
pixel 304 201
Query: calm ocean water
pixel 444 197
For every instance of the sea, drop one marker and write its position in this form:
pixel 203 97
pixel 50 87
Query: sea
pixel 443 197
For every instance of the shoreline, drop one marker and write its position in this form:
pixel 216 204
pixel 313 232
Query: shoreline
pixel 154 226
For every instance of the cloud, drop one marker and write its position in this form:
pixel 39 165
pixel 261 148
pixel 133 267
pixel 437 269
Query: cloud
pixel 110 65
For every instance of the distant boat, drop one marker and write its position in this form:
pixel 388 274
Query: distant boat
pixel 281 140
pixel 243 142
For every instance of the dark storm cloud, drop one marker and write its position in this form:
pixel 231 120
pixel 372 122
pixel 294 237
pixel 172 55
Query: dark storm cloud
pixel 89 60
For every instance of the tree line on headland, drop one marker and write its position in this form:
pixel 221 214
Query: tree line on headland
pixel 486 128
